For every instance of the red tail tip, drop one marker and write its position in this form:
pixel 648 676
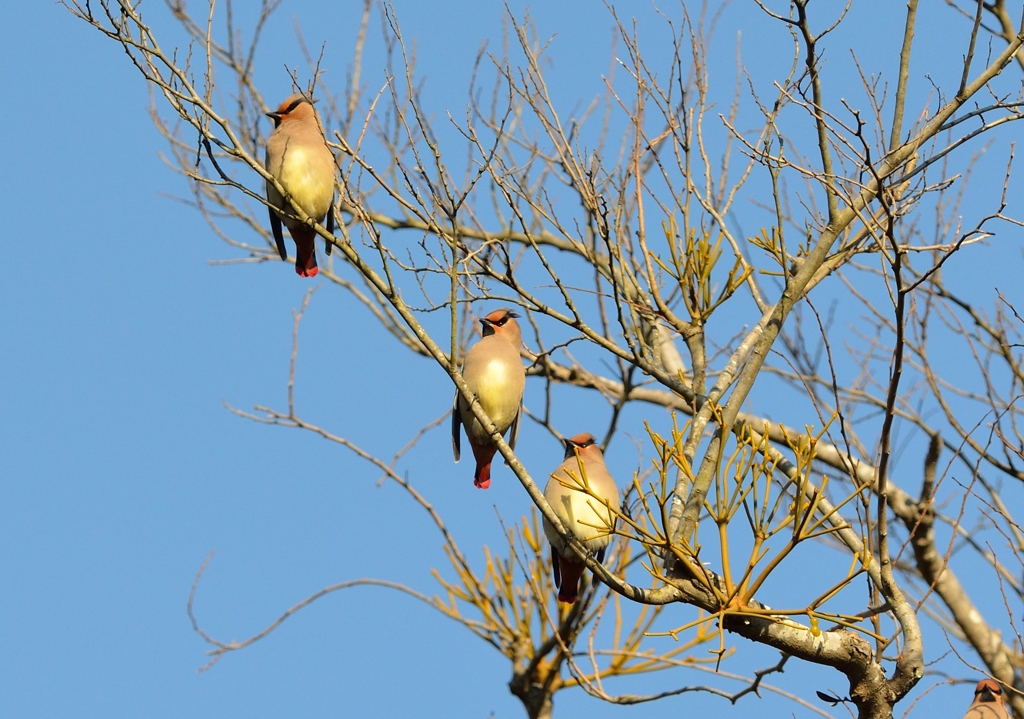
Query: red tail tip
pixel 482 478
pixel 570 571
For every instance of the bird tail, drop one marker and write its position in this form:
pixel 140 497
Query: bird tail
pixel 305 254
pixel 483 453
pixel 482 477
pixel 569 589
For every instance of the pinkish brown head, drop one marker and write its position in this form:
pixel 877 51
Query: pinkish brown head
pixel 585 443
pixel 503 323
pixel 296 107
pixel 988 692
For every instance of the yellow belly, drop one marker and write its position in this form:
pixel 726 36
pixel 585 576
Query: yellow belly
pixel 306 182
pixel 498 394
pixel 494 373
pixel 587 518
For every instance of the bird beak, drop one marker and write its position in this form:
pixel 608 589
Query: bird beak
pixel 274 115
pixel 570 448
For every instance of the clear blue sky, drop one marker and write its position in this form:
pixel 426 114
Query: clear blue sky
pixel 120 469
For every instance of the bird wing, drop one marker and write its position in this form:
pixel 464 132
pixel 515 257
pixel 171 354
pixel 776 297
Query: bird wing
pixel 456 428
pixel 556 570
pixel 513 433
pixel 275 226
pixel 330 227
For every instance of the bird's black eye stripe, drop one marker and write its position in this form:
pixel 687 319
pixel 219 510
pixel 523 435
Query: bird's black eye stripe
pixel 294 105
pixel 506 318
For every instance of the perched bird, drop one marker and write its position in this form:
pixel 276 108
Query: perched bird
pixel 299 158
pixel 494 372
pixel 988 702
pixel 588 516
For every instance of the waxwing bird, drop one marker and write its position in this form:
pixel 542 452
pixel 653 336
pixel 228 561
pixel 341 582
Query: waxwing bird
pixel 300 160
pixel 588 515
pixel 988 702
pixel 495 374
